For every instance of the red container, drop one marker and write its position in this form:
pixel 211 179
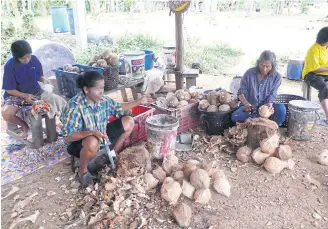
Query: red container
pixel 189 116
pixel 140 113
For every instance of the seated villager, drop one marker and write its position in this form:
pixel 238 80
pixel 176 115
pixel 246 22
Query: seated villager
pixel 20 81
pixel 259 86
pixel 315 71
pixel 85 121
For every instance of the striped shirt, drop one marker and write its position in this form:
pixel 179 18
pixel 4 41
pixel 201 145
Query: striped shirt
pixel 79 115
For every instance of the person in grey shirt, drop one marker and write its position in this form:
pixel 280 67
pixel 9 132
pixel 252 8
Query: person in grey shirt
pixel 259 86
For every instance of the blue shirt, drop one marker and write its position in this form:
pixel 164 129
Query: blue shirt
pixel 22 77
pixel 258 92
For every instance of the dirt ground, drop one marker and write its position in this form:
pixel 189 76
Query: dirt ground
pixel 258 199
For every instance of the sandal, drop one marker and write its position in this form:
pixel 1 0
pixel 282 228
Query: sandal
pixel 86 179
pixel 323 122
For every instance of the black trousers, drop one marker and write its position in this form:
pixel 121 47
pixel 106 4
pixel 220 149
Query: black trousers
pixel 319 82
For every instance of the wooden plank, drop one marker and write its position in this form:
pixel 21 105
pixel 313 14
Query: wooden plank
pixel 124 95
pixel 134 93
pixel 179 51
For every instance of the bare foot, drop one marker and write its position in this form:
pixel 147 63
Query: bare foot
pixel 24 133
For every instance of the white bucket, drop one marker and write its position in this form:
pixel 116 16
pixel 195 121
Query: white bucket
pixel 169 55
pixel 135 64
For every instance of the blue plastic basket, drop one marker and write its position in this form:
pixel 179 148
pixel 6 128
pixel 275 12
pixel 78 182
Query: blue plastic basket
pixel 66 81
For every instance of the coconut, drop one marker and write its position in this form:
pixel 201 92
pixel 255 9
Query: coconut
pixel 67 67
pixel 159 174
pixel 275 165
pixel 212 98
pixel 177 167
pixel 183 103
pixel 203 104
pixel 200 179
pixel 161 102
pixel 224 108
pixel 106 54
pixel 190 101
pixel 187 189
pixel 101 63
pixel 202 196
pixel 221 183
pixel 178 176
pixel 113 61
pixel 150 181
pixel 182 214
pixel 225 97
pixel 90 63
pixel 259 157
pixel 96 58
pixel 169 162
pixel 188 169
pixel 172 102
pixel 75 69
pixel 171 190
pixel 210 167
pixel 212 108
pixel 234 104
pixel 284 152
pixel 244 154
pixel 193 162
pixel 270 145
pixel 264 111
pixel 182 95
pixel 168 95
pixel 323 157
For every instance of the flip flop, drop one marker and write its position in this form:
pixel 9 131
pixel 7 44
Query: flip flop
pixel 323 122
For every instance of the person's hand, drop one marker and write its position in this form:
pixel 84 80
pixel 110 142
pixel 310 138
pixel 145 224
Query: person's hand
pixel 271 109
pixel 100 136
pixel 248 107
pixel 146 99
pixel 29 98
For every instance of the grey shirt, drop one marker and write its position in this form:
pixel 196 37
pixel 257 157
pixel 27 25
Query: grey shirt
pixel 259 92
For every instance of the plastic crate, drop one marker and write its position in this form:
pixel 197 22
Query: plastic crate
pixel 189 116
pixel 139 133
pixel 66 81
pixel 285 99
pixel 111 77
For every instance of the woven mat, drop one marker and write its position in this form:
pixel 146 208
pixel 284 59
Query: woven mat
pixel 19 160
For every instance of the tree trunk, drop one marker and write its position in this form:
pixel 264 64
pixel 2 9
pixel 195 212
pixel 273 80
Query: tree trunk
pixel 29 6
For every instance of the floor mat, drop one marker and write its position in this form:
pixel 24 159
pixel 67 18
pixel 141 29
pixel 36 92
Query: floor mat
pixel 19 160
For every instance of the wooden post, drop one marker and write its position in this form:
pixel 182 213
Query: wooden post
pixel 179 51
pixel 79 22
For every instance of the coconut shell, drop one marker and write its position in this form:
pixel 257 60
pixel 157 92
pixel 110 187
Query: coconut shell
pixel 270 145
pixel 172 102
pixel 259 157
pixel 202 196
pixel 159 174
pixel 212 108
pixel 192 101
pixel 244 154
pixel 171 190
pixel 225 98
pixel 168 95
pixel 264 111
pixel 284 152
pixel 178 176
pixel 161 102
pixel 203 104
pixel 224 108
pixel 323 157
pixel 182 95
pixel 101 63
pixel 213 98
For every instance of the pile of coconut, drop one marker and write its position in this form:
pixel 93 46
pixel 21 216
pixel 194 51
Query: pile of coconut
pixel 177 100
pixel 221 101
pixel 105 59
pixel 139 185
pixel 71 68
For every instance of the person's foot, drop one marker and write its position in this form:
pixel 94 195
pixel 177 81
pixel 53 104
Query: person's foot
pixel 323 122
pixel 24 133
pixel 86 179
